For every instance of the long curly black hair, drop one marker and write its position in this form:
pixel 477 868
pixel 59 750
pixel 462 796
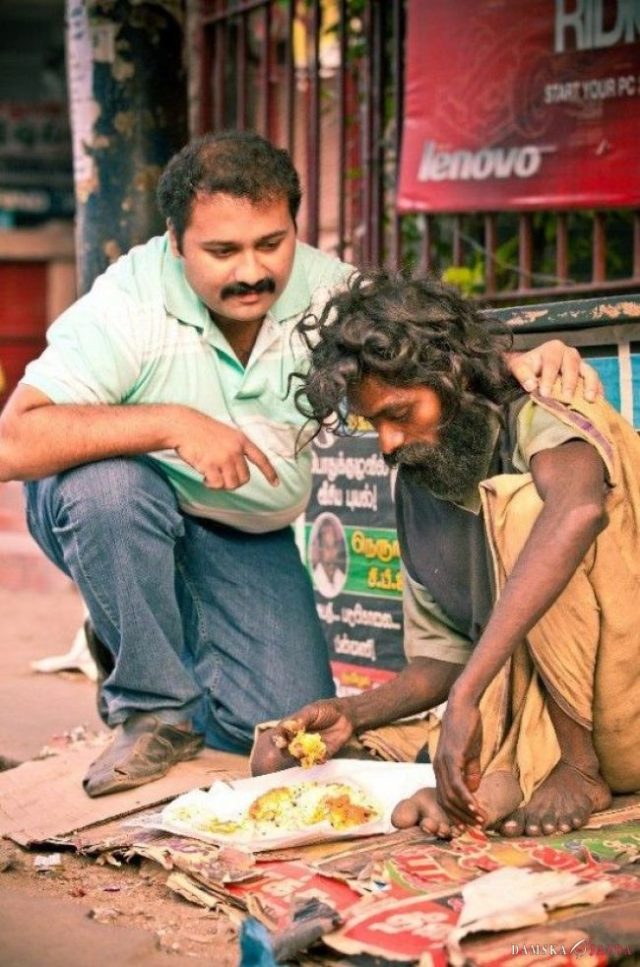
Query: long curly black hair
pixel 407 332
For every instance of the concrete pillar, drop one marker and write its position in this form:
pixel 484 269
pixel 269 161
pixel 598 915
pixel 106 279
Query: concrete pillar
pixel 128 103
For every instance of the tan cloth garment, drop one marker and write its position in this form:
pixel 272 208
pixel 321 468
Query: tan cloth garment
pixel 585 648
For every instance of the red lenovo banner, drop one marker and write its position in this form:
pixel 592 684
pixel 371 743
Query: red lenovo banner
pixel 521 104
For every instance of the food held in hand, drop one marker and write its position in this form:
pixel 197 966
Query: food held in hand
pixel 309 748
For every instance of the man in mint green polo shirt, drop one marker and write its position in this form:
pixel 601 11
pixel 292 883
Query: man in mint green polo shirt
pixel 162 447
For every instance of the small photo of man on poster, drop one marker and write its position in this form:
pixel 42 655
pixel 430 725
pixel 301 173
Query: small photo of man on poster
pixel 328 553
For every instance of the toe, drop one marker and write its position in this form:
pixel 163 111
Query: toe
pixel 430 826
pixel 532 828
pixel 578 817
pixel 405 814
pixel 435 828
pixel 514 825
pixel 548 823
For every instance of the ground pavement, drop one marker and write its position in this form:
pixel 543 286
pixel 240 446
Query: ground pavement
pixel 78 914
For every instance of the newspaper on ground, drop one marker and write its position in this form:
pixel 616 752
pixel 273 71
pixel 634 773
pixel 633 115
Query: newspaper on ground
pixel 506 899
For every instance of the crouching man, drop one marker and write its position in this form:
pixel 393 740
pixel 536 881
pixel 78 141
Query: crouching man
pixel 519 525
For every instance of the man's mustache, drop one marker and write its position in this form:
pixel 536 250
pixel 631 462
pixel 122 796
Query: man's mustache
pixel 410 455
pixel 243 288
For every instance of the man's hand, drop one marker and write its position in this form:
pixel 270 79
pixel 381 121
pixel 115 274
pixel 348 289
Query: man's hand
pixel 540 367
pixel 457 763
pixel 330 718
pixel 221 453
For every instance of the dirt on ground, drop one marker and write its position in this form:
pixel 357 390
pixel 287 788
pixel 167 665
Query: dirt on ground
pixel 129 895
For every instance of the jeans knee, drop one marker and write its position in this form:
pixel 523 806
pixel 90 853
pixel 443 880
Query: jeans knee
pixel 119 494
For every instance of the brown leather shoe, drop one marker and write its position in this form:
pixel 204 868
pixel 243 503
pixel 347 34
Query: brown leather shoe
pixel 143 749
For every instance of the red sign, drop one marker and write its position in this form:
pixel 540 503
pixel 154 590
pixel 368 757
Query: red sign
pixel 521 104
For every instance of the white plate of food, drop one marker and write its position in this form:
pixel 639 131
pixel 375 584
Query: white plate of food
pixel 340 799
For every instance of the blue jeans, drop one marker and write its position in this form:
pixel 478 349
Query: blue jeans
pixel 205 623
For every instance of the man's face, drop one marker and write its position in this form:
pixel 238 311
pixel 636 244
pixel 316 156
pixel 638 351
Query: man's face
pixel 237 256
pixel 329 548
pixel 447 460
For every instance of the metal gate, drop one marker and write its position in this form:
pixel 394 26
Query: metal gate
pixel 324 78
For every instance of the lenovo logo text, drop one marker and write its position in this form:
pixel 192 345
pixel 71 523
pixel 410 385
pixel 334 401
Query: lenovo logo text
pixel 463 165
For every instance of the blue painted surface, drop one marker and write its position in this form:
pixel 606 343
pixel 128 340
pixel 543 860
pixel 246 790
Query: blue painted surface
pixel 608 368
pixel 635 385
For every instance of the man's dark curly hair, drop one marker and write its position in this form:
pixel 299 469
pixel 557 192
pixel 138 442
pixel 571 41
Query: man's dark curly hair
pixel 238 163
pixel 407 332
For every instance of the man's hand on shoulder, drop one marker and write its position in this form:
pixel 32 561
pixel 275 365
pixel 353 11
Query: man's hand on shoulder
pixel 539 368
pixel 221 453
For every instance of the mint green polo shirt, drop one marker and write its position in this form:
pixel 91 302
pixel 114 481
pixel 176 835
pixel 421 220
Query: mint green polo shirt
pixel 141 335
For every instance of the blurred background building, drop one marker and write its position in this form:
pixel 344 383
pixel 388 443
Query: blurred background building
pixel 37 274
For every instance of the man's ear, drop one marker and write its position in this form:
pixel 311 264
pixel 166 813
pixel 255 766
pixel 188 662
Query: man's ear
pixel 173 239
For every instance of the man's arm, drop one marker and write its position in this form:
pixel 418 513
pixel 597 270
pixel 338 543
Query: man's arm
pixel 422 685
pixel 571 481
pixel 38 438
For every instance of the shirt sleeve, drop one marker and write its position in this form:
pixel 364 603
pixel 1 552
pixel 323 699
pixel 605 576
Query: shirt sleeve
pixel 537 430
pixel 94 352
pixel 428 633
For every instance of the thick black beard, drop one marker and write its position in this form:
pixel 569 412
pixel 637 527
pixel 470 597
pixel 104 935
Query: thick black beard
pixel 457 463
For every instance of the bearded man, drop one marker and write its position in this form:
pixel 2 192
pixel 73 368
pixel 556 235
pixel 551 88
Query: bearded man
pixel 519 526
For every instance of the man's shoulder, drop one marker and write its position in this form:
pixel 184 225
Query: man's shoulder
pixel 315 276
pixel 321 268
pixel 127 295
pixel 138 273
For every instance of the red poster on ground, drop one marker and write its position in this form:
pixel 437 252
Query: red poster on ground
pixel 521 104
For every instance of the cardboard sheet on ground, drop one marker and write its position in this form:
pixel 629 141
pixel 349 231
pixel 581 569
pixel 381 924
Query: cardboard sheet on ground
pixel 43 800
pixel 384 784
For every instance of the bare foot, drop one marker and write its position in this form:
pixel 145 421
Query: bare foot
pixel 498 795
pixel 424 810
pixel 563 802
